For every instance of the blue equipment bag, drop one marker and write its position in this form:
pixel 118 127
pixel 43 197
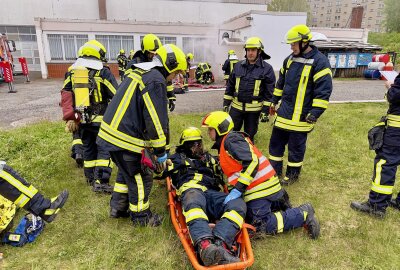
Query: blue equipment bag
pixel 27 231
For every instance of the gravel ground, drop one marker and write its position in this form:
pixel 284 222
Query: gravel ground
pixel 39 99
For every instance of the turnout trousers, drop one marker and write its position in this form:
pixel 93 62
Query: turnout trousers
pixel 132 186
pixel 383 179
pixel 77 147
pixel 16 189
pixel 97 162
pixel 259 214
pixel 200 208
pixel 248 119
pixel 296 142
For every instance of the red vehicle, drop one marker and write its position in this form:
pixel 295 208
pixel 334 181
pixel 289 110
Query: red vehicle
pixel 7 62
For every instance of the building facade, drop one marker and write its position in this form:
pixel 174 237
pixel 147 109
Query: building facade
pixel 339 13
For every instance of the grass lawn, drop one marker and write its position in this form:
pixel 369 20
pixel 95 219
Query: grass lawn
pixel 337 169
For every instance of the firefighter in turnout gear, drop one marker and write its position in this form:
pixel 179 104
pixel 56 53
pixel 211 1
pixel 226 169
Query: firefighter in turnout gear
pixel 249 89
pixel 303 89
pixel 387 159
pixel 203 73
pixel 252 177
pixel 198 178
pixel 91 88
pixel 229 64
pixel 130 56
pixel 24 195
pixel 135 124
pixel 122 63
pixel 77 148
pixel 189 59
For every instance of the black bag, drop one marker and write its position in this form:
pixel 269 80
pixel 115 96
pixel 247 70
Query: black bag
pixel 376 133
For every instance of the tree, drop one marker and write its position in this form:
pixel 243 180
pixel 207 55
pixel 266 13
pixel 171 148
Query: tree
pixel 392 21
pixel 289 6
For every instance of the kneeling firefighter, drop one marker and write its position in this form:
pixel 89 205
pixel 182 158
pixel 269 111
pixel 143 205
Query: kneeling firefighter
pixel 136 123
pixel 84 102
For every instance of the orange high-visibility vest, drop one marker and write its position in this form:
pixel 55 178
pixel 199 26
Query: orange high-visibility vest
pixel 232 167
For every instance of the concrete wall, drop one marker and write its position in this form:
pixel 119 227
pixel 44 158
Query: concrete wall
pixel 272 29
pixel 23 12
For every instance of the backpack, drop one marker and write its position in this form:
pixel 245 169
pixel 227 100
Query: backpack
pixel 28 229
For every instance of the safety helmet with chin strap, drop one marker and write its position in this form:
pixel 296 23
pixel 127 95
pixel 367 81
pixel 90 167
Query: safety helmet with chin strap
pixel 299 33
pixel 256 43
pixel 219 120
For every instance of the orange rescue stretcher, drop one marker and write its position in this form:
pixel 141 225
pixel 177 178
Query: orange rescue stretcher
pixel 242 245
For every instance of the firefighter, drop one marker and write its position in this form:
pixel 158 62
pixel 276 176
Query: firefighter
pixel 122 63
pixel 387 159
pixel 16 189
pixel 189 58
pixel 131 54
pixel 203 73
pixel 249 88
pixel 229 64
pixel 197 178
pixel 135 122
pixel 304 87
pixel 254 179
pixel 76 149
pixel 91 87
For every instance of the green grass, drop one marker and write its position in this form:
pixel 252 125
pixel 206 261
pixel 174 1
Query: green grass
pixel 337 169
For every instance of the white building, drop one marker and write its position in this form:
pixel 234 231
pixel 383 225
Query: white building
pixel 49 32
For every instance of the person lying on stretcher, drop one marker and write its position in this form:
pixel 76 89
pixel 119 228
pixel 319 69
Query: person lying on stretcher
pixel 198 180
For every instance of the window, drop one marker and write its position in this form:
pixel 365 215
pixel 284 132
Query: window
pixel 114 43
pixel 65 47
pixel 200 48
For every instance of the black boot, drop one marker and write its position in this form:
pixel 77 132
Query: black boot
pixel 227 255
pixel 147 218
pixel 209 253
pixel 395 204
pixel 99 187
pixel 287 181
pixel 114 213
pixel 311 224
pixel 57 203
pixel 366 207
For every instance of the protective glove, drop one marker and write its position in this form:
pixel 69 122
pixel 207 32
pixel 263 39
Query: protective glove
pixel 71 126
pixel 263 117
pixel 264 114
pixel 226 105
pixel 272 110
pixel 161 162
pixel 311 119
pixel 234 194
pixel 171 105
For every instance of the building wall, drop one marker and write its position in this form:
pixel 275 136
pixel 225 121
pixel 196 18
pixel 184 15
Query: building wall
pixel 337 13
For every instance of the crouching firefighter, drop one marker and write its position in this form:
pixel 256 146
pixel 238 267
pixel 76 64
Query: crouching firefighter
pixel 137 120
pixel 254 179
pixel 91 88
pixel 197 177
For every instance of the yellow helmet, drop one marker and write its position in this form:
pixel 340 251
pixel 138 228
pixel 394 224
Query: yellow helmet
pixel 122 51
pixel 256 43
pixel 150 43
pixel 298 32
pixel 190 56
pixel 231 52
pixel 131 51
pixel 190 134
pixel 93 48
pixel 220 121
pixel 172 58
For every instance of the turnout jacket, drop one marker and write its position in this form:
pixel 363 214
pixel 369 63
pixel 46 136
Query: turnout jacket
pixel 189 173
pixel 250 87
pixel 122 62
pixel 137 116
pixel 392 133
pixel 101 93
pixel 247 169
pixel 228 66
pixel 304 87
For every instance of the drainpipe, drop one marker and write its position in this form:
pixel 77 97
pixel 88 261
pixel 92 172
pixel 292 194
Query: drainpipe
pixel 39 40
pixel 102 9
